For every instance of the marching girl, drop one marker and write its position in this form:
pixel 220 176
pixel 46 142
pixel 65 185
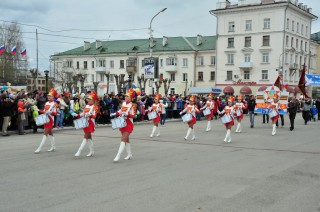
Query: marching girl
pixel 274 108
pixel 228 110
pixel 209 104
pixel 239 107
pixel 156 107
pixel 128 111
pixel 51 110
pixel 90 112
pixel 192 109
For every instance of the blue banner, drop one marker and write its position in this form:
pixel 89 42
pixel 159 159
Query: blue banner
pixel 313 79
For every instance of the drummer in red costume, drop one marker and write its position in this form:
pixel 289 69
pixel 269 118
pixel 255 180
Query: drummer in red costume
pixel 239 107
pixel 274 107
pixel 128 111
pixel 51 111
pixel 191 109
pixel 157 108
pixel 210 105
pixel 228 110
pixel 90 112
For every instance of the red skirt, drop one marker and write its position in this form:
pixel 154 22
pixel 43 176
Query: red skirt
pixel 240 117
pixel 275 118
pixel 210 115
pixel 90 128
pixel 193 121
pixel 231 123
pixel 49 125
pixel 128 128
pixel 156 120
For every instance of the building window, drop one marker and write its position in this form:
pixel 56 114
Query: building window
pixel 248 25
pixel 212 75
pixel 298 27
pixel 69 64
pixel 78 65
pixel 286 58
pixel 111 77
pixel 247 58
pixel 111 64
pixel 161 62
pixel 301 45
pixel 85 65
pixel 288 23
pixel 185 62
pixel 172 91
pixel 305 46
pixel 266 40
pixel 287 41
pixel 307 31
pixel 229 75
pixel 121 63
pixel 265 57
pixel 142 63
pixel 230 59
pixel 200 61
pixel 264 75
pixel 302 29
pixel 101 77
pixel 213 60
pixel 92 64
pixel 200 76
pixel 171 61
pixel 92 77
pixel 246 75
pixel 297 44
pixel 266 23
pixel 292 26
pixel 230 42
pixel 247 42
pixel 184 77
pixel 292 42
pixel 101 63
pixel 173 77
pixel 231 26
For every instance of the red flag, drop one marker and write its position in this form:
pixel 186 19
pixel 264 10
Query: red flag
pixel 278 83
pixel 302 81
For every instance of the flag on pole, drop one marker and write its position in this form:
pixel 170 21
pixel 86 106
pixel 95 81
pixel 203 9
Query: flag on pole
pixel 302 81
pixel 2 49
pixel 14 50
pixel 24 53
pixel 278 83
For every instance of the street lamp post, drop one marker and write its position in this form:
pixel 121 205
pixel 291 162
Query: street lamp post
pixel 150 31
pixel 34 74
pixel 46 72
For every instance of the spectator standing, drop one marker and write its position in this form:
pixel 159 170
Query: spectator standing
pixel 7 113
pixel 163 107
pixel 21 117
pixel 314 112
pixel 292 110
pixel 318 107
pixel 306 106
pixel 251 106
pixel 62 108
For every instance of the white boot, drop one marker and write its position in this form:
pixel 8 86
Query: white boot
pixel 193 135
pixel 158 132
pixel 53 147
pixel 153 131
pixel 237 129
pixel 188 133
pixel 44 138
pixel 208 126
pixel 240 129
pixel 274 129
pixel 90 144
pixel 121 148
pixel 128 148
pixel 81 147
pixel 229 136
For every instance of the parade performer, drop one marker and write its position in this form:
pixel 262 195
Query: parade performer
pixel 128 111
pixel 239 107
pixel 50 110
pixel 274 108
pixel 211 106
pixel 157 108
pixel 90 112
pixel 228 110
pixel 192 109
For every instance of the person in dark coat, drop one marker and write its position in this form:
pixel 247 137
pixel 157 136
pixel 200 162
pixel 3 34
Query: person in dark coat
pixel 292 110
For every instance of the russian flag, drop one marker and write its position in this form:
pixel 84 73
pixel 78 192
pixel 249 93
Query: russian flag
pixel 14 50
pixel 2 49
pixel 24 53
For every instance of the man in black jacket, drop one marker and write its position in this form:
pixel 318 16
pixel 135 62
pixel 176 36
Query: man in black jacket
pixel 7 113
pixel 292 110
pixel 251 106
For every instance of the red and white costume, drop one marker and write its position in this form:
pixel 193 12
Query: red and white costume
pixel 228 110
pixel 210 105
pixel 239 107
pixel 157 108
pixel 51 110
pixel 274 107
pixel 128 111
pixel 191 109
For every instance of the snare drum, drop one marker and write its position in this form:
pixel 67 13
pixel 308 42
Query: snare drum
pixel 207 112
pixel 239 113
pixel 226 118
pixel 81 123
pixel 119 122
pixel 273 113
pixel 42 119
pixel 187 117
pixel 152 115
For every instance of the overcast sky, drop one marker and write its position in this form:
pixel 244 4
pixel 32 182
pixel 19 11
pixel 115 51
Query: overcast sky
pixel 182 18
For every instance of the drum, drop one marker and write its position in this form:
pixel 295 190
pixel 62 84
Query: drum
pixel 152 115
pixel 273 113
pixel 206 112
pixel 226 118
pixel 42 119
pixel 238 113
pixel 118 122
pixel 186 117
pixel 81 123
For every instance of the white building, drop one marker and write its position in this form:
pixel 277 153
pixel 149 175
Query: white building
pixel 186 61
pixel 257 40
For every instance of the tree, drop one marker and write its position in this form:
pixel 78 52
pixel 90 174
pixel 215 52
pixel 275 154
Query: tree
pixel 166 83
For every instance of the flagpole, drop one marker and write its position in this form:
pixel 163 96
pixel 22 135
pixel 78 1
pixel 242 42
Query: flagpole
pixel 37 60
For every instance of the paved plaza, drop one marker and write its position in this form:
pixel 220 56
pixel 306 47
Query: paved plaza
pixel 256 172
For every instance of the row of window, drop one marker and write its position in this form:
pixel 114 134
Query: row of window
pixel 295 27
pixel 247 41
pixel 247 58
pixel 246 75
pixel 248 25
pixel 296 46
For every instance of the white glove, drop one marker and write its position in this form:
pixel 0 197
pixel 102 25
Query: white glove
pixel 74 115
pixel 180 113
pixel 124 113
pixel 113 114
pixel 48 112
